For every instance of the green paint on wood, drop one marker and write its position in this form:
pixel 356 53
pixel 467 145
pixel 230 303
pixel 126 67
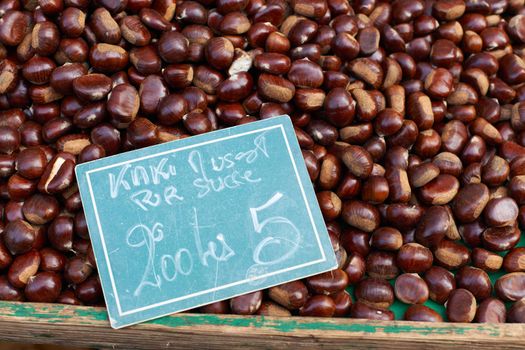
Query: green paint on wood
pixel 94 314
pixel 53 314
pixel 291 325
pixel 86 315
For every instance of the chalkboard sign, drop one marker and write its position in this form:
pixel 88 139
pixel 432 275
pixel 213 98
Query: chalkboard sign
pixel 193 221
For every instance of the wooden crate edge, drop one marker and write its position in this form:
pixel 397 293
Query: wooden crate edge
pixel 89 327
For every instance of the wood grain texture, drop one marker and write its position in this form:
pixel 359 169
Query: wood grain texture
pixel 17 346
pixel 89 327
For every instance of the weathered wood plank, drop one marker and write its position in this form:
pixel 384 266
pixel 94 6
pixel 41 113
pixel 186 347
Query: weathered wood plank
pixel 88 327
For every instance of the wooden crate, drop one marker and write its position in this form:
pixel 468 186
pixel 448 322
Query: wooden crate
pixel 89 327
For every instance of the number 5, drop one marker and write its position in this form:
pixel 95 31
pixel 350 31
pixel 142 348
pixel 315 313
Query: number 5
pixel 280 221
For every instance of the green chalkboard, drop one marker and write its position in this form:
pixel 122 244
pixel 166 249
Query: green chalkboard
pixel 185 223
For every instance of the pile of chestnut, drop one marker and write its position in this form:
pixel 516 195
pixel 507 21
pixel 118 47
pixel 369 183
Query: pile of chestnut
pixel 410 115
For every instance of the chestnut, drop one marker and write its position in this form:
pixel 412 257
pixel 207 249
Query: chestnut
pixel 328 283
pixel 474 280
pixel 491 310
pixel 291 295
pixel 411 289
pixel 432 226
pixel 386 238
pixel 500 238
pixel 319 306
pixel 514 260
pixel 470 202
pixel 461 306
pixel 246 304
pixel 451 254
pixel 365 311
pixel 509 287
pixel 487 260
pixel 23 267
pixel 360 215
pixel 422 313
pixel 44 287
pixel 501 212
pixel 355 268
pixel 375 292
pixel 381 264
pixel 440 283
pixel 414 258
pixel 19 237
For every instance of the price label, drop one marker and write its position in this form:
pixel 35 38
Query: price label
pixel 190 222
